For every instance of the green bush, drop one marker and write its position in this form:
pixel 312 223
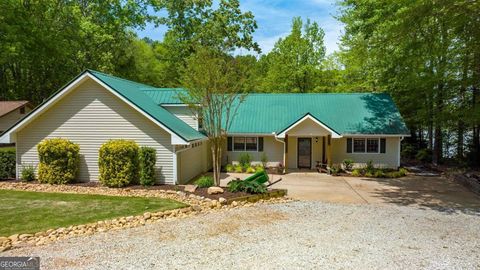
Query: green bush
pixel 368 174
pixel 357 172
pixel 259 168
pixel 335 170
pixel 379 174
pixel 424 155
pixel 370 168
pixel 148 158
pixel 28 173
pixel 250 169
pixel 229 168
pixel 59 161
pixel 245 186
pixel 204 181
pixel 245 160
pixel 118 162
pixel 403 171
pixel 264 160
pixel 348 164
pixel 7 163
pixel 238 168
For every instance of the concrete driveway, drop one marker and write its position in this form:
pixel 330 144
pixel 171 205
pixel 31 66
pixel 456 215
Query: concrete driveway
pixel 432 192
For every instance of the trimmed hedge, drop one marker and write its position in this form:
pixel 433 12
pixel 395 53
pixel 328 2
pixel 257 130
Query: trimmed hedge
pixel 118 163
pixel 148 158
pixel 7 163
pixel 59 161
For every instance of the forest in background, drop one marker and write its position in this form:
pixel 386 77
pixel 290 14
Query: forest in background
pixel 426 54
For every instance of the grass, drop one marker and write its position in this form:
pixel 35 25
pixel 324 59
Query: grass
pixel 30 212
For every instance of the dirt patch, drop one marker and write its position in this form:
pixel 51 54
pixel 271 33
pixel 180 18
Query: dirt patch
pixel 252 219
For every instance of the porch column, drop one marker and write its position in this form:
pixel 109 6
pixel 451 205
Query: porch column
pixel 329 151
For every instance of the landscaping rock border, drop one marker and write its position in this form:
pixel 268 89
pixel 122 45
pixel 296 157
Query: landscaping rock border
pixel 470 183
pixel 196 204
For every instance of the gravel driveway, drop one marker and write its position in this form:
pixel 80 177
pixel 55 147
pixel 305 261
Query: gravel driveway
pixel 295 235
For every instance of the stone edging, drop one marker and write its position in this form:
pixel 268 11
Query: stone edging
pixel 196 204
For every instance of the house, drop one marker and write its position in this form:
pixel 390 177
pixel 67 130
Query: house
pixel 12 111
pixel 295 130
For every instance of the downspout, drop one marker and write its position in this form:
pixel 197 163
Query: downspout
pixel 284 154
pixel 399 151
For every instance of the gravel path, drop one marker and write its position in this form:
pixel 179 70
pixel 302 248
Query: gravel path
pixel 295 235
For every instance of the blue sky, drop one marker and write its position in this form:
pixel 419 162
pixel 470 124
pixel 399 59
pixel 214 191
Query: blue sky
pixel 274 19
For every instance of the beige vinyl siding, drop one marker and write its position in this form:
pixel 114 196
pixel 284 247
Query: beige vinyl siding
pixel 89 116
pixel 272 148
pixel 389 159
pixel 308 128
pixel 11 118
pixel 192 162
pixel 185 114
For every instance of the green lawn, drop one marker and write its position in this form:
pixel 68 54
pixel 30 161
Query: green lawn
pixel 29 212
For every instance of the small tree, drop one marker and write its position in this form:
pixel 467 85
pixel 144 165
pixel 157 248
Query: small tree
pixel 214 81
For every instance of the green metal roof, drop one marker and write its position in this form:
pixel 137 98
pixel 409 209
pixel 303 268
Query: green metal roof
pixel 345 113
pixel 134 93
pixel 164 95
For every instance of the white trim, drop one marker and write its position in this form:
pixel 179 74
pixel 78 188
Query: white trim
pixel 333 133
pixel 250 134
pixel 399 152
pixel 175 139
pixel 374 135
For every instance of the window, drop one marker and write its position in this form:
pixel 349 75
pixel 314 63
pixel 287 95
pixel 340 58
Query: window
pixel 359 145
pixel 366 145
pixel 239 144
pixel 251 143
pixel 372 145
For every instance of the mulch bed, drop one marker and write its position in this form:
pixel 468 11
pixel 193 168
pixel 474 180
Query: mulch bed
pixel 199 192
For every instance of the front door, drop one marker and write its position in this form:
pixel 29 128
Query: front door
pixel 304 153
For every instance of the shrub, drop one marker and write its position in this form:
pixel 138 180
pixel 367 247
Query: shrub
pixel 259 168
pixel 356 173
pixel 59 161
pixel 379 174
pixel 245 160
pixel 118 163
pixel 368 174
pixel 424 155
pixel 204 181
pixel 370 168
pixel 230 168
pixel 250 169
pixel 245 186
pixel 238 168
pixel 348 164
pixel 28 173
pixel 335 170
pixel 264 160
pixel 403 171
pixel 7 163
pixel 148 158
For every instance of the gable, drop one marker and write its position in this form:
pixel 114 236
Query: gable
pixel 308 127
pixel 129 93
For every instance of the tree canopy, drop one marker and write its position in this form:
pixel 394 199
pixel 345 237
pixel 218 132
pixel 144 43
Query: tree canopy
pixel 426 54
